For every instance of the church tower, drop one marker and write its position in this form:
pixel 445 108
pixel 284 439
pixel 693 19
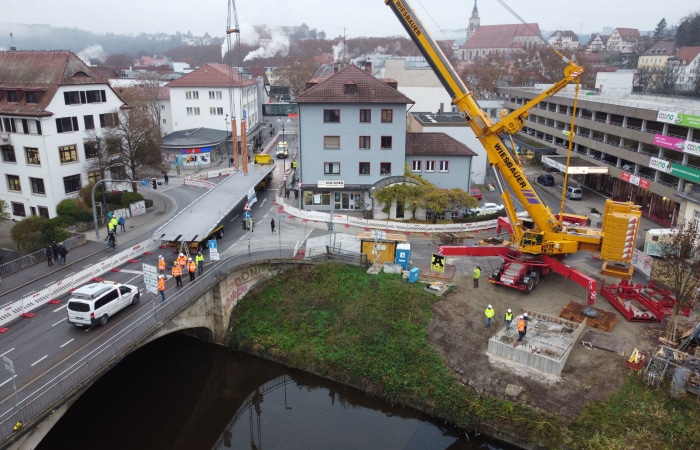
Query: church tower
pixel 474 22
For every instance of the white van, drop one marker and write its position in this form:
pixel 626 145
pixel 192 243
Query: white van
pixel 95 303
pixel 574 193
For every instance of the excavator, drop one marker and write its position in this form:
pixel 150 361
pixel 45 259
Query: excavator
pixel 539 242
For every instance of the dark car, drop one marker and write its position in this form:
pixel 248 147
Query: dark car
pixel 545 180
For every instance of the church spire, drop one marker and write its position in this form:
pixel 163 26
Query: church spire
pixel 474 22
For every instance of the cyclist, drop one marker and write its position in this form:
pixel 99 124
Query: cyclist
pixel 112 238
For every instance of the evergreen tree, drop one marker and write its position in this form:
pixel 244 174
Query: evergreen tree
pixel 660 30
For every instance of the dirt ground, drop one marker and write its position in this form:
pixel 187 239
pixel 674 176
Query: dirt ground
pixel 458 332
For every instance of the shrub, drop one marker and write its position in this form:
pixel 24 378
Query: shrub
pixel 69 207
pixel 131 197
pixel 54 229
pixel 115 197
pixel 27 233
pixel 84 215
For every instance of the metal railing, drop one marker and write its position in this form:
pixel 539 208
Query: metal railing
pixel 57 387
pixel 38 256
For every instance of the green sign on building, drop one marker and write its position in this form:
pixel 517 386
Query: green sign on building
pixel 687 173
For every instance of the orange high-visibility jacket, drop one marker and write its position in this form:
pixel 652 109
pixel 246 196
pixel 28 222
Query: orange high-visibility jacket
pixel 521 325
pixel 161 284
pixel 177 271
pixel 192 266
pixel 161 264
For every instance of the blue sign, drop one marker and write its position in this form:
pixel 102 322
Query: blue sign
pixel 246 215
pixel 144 182
pixel 212 245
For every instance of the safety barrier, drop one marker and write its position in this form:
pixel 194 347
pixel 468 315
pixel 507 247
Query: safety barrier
pixel 16 309
pixel 197 181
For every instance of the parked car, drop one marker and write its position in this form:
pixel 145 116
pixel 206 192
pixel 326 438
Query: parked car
pixel 476 193
pixel 574 193
pixel 545 180
pixel 488 208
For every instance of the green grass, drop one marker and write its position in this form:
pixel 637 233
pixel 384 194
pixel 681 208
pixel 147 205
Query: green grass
pixel 370 332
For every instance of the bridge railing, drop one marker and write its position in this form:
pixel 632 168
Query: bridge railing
pixel 62 384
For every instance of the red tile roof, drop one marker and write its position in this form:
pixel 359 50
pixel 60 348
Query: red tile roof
pixel 687 54
pixel 41 72
pixel 500 36
pixel 435 144
pixel 365 89
pixel 212 75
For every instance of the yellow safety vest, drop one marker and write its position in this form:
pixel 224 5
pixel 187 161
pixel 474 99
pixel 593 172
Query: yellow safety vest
pixel 489 313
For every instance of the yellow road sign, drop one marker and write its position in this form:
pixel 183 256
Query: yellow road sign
pixel 437 263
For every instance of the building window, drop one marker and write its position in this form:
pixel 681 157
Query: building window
pixel 9 124
pixel 94 176
pixel 387 115
pixel 365 116
pixel 696 220
pixel 192 95
pixel 8 153
pixel 216 111
pixel 66 124
pixel 364 168
pixel 430 166
pixel 96 96
pixel 32 156
pixel 91 149
pixel 109 120
pixel 331 116
pixel 386 142
pixel 71 183
pixel 416 166
pixel 331 142
pixel 68 154
pixel 385 168
pixel 89 122
pixel 444 166
pixel 71 97
pixel 332 168
pixel 37 186
pixel 214 95
pixel 18 209
pixel 113 146
pixel 365 142
pixel 31 97
pixel 12 96
pixel 44 211
pixel 192 111
pixel 13 183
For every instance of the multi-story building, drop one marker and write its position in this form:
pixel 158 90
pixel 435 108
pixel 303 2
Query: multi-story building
pixel 650 147
pixel 564 40
pixel 625 40
pixel 687 69
pixel 656 56
pixel 52 106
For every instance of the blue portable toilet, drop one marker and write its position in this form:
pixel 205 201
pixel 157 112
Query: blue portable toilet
pixel 413 275
pixel 403 255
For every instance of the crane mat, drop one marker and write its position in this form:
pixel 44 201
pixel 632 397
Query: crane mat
pixel 427 274
pixel 603 340
pixel 603 320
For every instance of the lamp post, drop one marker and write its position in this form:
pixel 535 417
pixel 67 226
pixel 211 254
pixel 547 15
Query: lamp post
pixel 102 173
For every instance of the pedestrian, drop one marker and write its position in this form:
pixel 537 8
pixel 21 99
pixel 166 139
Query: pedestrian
pixel 177 274
pixel 122 223
pixel 230 162
pixel 161 265
pixel 272 224
pixel 177 167
pixel 522 328
pixel 161 287
pixel 165 178
pixel 62 252
pixel 199 259
pixel 477 274
pixel 49 254
pixel 489 313
pixel 191 268
pixel 54 249
pixel 112 225
pixel 508 319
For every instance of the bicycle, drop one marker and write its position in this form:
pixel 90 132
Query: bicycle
pixel 111 246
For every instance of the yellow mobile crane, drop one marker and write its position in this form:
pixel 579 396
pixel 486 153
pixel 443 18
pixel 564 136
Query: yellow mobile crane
pixel 541 242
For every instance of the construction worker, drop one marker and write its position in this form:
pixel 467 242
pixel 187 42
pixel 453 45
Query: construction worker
pixel 192 268
pixel 182 261
pixel 177 273
pixel 508 318
pixel 489 313
pixel 161 287
pixel 161 265
pixel 199 259
pixel 522 328
pixel 112 225
pixel 477 274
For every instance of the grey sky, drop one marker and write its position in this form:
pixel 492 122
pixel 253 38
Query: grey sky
pixel 351 17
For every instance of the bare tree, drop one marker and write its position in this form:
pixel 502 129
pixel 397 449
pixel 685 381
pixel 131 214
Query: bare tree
pixel 678 268
pixel 297 74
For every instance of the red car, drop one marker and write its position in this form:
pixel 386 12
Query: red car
pixel 474 192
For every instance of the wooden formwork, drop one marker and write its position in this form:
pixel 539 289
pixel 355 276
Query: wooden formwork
pixel 603 320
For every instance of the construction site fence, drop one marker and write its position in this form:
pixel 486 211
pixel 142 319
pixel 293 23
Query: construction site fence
pixel 43 399
pixel 16 309
pixel 38 256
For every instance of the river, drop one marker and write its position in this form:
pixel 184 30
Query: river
pixel 181 393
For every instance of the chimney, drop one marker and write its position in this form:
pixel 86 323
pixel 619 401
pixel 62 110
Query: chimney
pixel 368 67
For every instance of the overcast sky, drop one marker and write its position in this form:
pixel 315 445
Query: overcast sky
pixel 350 17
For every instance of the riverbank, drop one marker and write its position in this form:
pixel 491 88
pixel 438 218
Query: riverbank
pixel 377 334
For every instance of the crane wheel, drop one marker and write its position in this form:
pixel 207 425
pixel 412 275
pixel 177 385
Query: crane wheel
pixel 529 283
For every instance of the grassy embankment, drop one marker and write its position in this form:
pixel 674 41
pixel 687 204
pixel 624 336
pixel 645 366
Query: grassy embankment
pixel 370 332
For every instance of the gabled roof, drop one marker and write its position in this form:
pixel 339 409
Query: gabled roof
pixel 352 85
pixel 212 75
pixel 667 48
pixel 687 54
pixel 42 72
pixel 435 144
pixel 629 34
pixel 500 36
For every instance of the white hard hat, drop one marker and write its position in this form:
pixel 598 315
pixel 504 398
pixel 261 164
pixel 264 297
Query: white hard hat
pixel 490 306
pixel 160 256
pixel 525 314
pixel 161 276
pixel 189 259
pixel 509 310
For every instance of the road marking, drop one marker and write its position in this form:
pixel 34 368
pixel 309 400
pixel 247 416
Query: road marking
pixel 7 351
pixel 140 272
pixel 59 322
pixel 40 360
pixel 7 381
pixel 59 308
pixel 67 343
pixel 234 218
pixel 262 202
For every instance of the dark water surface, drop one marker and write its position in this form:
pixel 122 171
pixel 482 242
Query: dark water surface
pixel 181 393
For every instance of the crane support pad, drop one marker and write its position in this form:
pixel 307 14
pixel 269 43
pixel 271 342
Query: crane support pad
pixel 603 320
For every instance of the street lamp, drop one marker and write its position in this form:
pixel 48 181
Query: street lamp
pixel 102 172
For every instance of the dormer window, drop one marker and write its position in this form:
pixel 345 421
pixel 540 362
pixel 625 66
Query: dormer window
pixel 31 97
pixel 350 88
pixel 12 96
